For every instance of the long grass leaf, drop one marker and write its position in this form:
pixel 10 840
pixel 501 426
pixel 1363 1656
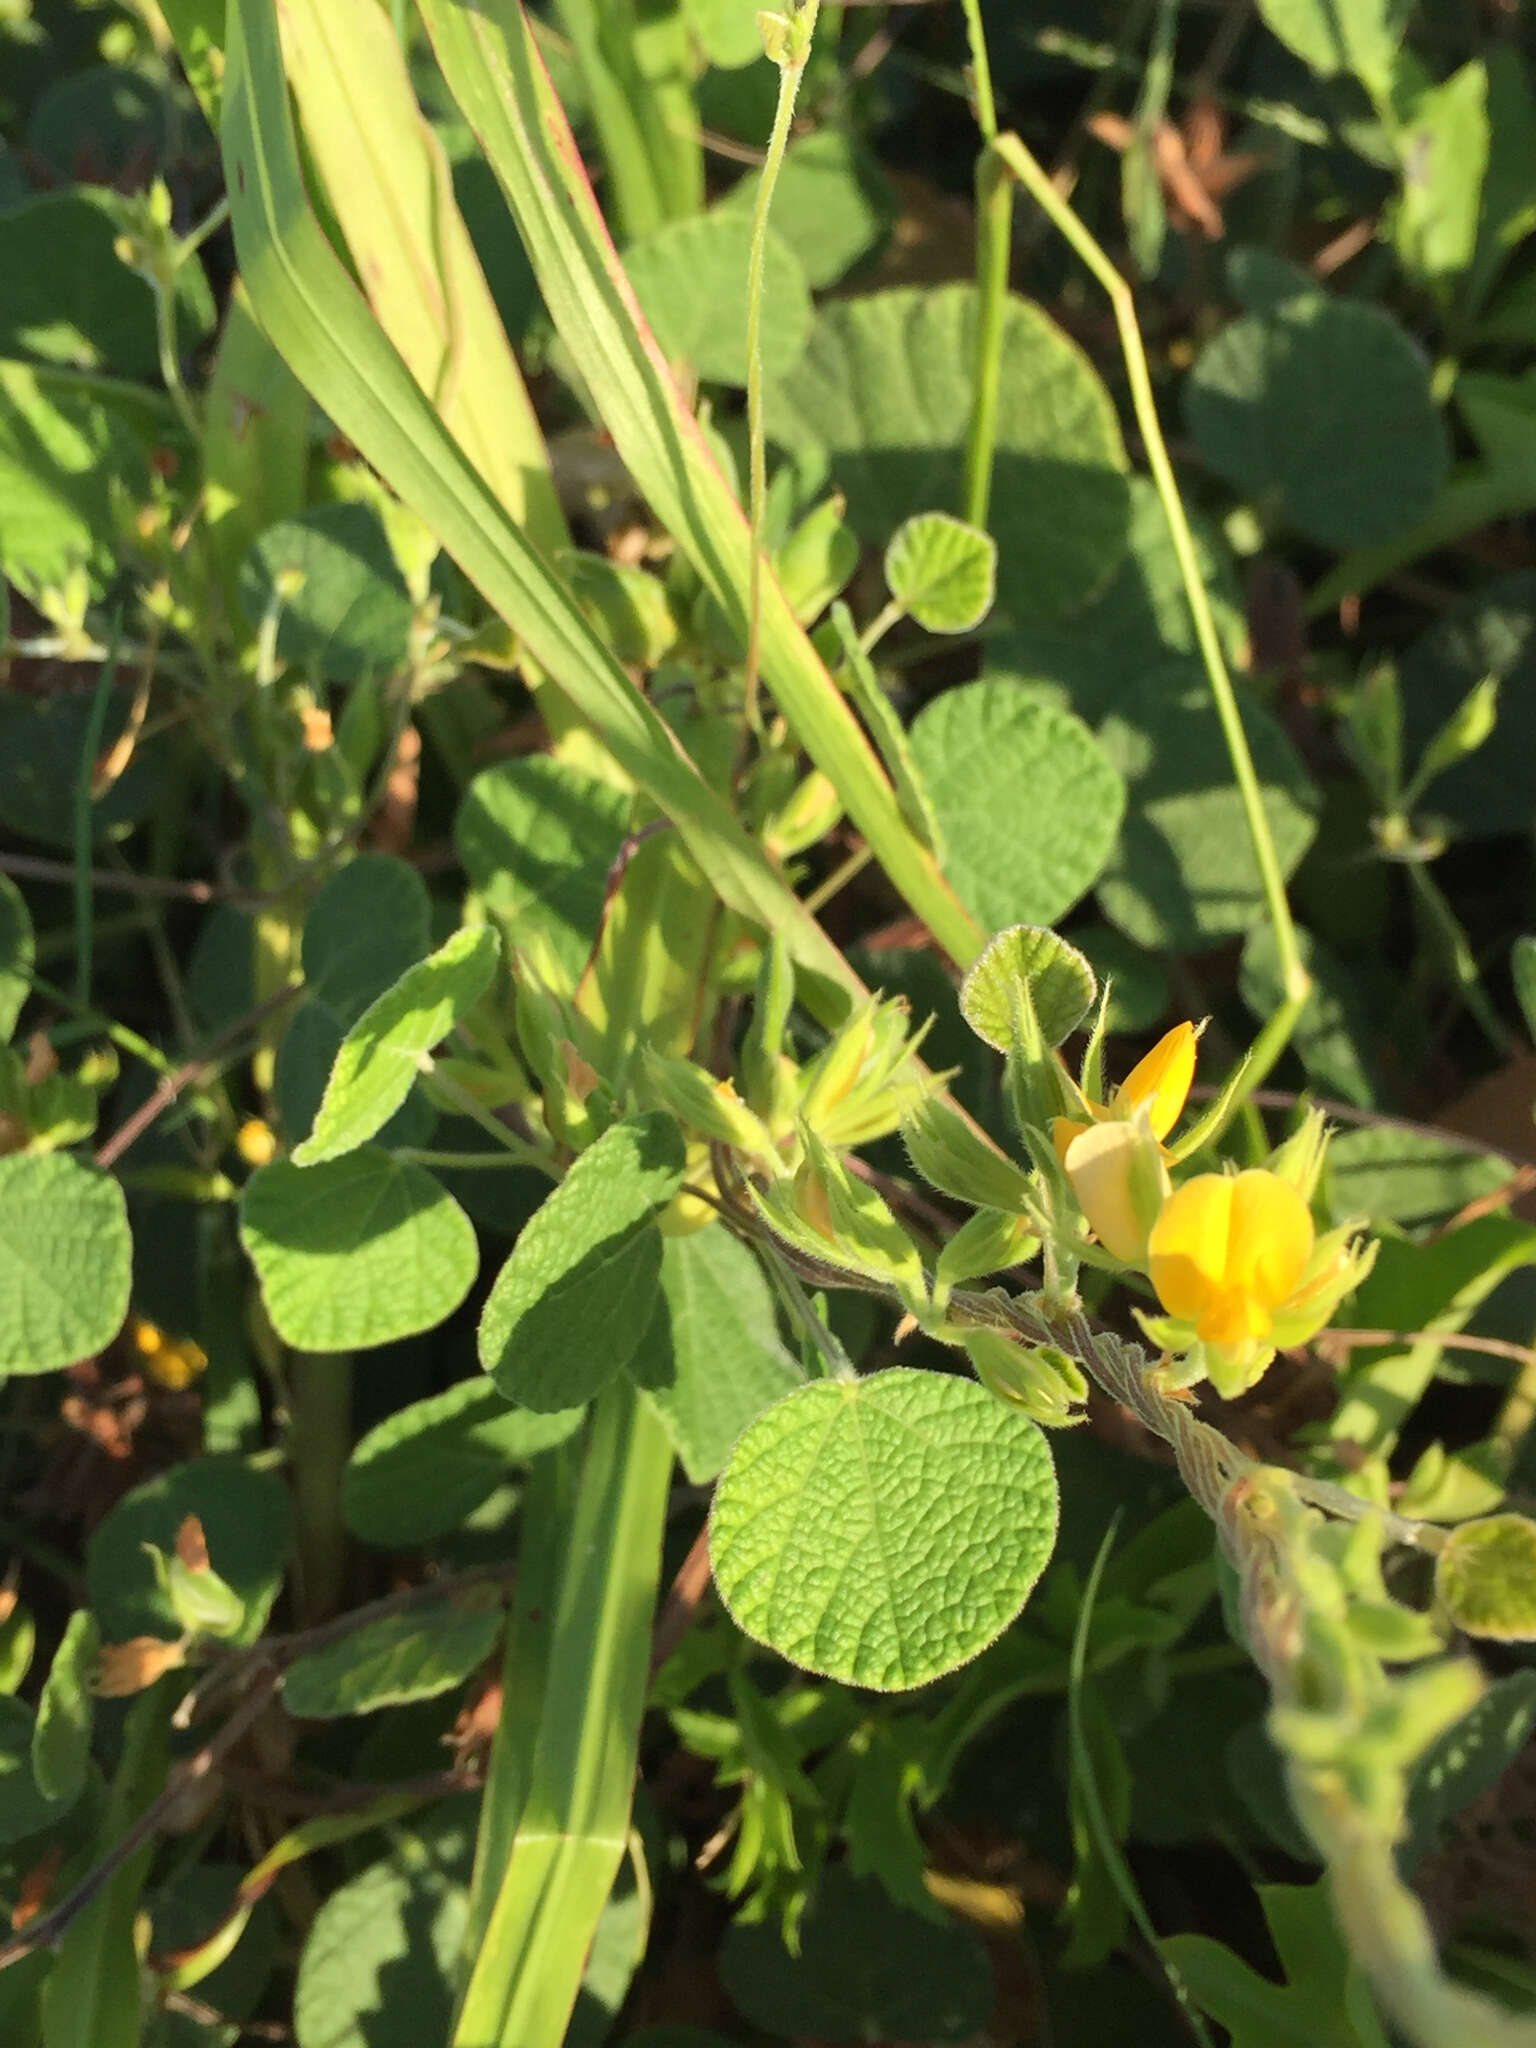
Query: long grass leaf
pixel 387 182
pixel 575 1807
pixel 491 62
pixel 316 317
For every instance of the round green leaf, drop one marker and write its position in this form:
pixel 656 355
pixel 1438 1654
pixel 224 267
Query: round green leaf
pixel 1028 806
pixel 247 1518
pixel 1485 1578
pixel 883 1531
pixel 884 390
pixel 91 311
pixel 64 445
pixel 1184 876
pixel 359 1251
pixel 382 1055
pixel 41 742
pixel 344 608
pixel 422 1471
pixel 572 1302
pixel 711 1359
pixel 370 922
pixel 1321 409
pixel 400 1657
pixel 943 571
pixel 1061 985
pixel 65 1261
pixel 691 280
pixel 867 1970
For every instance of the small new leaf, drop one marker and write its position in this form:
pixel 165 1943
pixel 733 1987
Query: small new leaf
pixel 383 1053
pixel 943 571
pixel 1485 1578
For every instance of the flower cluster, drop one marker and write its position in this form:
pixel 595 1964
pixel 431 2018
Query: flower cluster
pixel 1234 1258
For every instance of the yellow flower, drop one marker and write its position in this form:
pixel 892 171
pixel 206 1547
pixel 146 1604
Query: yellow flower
pixel 1158 1084
pixel 171 1362
pixel 255 1142
pixel 1121 1184
pixel 1227 1251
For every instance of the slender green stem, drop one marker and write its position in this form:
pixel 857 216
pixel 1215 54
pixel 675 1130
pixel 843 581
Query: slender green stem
pixel 320 1411
pixel 522 1153
pixel 84 815
pixel 994 249
pixel 791 71
pixel 1295 980
pixel 194 239
pixel 981 71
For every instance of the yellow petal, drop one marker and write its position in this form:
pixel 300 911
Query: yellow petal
pixel 1118 1176
pixel 1230 1248
pixel 1161 1082
pixel 1063 1130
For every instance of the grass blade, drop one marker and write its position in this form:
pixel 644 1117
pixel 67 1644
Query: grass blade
pixel 316 317
pixel 494 70
pixel 574 1811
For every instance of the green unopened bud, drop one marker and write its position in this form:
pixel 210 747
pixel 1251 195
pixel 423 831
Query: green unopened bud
pixel 1300 1159
pixel 949 1150
pixel 202 1602
pixel 832 1217
pixel 818 558
pixel 805 818
pixel 988 1242
pixel 1037 1378
pixel 706 1106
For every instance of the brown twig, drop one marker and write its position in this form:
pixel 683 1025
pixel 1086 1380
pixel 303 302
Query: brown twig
pixel 682 1601
pixel 169 1086
pixel 45 1931
pixel 1327 1343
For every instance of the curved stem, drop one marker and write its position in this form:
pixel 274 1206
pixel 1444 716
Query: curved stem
pixel 791 70
pixel 1295 979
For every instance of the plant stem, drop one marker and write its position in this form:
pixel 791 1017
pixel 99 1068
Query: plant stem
pixel 981 71
pixel 84 814
pixel 320 1410
pixel 1295 980
pixel 994 249
pixel 791 70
